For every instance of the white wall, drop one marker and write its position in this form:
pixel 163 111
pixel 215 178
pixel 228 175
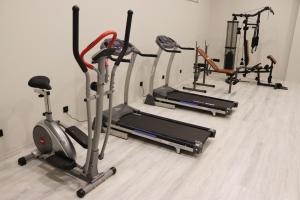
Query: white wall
pixel 35 39
pixel 276 31
pixel 293 73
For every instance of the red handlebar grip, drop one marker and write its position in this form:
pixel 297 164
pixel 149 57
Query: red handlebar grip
pixel 95 42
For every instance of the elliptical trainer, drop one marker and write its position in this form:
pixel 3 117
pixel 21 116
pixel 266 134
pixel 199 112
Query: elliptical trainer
pixel 51 137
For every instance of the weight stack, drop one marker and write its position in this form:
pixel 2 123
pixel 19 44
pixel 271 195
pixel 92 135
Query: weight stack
pixel 231 44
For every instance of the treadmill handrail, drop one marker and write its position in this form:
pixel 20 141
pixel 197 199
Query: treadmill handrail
pixel 186 48
pixel 147 55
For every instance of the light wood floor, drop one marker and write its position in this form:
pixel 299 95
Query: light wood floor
pixel 255 156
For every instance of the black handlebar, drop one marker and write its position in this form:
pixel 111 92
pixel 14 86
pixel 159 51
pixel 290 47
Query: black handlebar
pixel 115 59
pixel 271 10
pixel 186 48
pixel 172 51
pixel 147 55
pixel 76 39
pixel 126 39
pixel 267 8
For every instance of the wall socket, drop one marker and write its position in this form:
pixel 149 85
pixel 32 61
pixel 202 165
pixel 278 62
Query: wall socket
pixel 1 133
pixel 141 84
pixel 66 109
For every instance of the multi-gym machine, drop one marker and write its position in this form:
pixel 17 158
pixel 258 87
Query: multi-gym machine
pixel 233 31
pixel 53 139
pixel 168 97
pixel 127 120
pixel 232 72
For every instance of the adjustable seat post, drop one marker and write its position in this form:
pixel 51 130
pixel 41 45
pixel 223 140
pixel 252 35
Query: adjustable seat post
pixel 45 94
pixel 48 112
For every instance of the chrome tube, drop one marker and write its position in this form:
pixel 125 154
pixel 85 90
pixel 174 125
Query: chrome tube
pixel 89 121
pixel 128 76
pixel 151 83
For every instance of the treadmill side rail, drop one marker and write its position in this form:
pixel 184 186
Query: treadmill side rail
pixel 190 105
pixel 197 147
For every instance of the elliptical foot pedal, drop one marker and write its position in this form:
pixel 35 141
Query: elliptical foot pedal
pixel 78 136
pixel 61 162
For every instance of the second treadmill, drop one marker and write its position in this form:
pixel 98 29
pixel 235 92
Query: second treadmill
pixel 169 97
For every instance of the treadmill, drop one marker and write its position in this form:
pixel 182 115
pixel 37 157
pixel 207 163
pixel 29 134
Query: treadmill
pixel 127 120
pixel 169 97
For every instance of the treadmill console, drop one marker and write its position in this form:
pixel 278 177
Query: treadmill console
pixel 165 42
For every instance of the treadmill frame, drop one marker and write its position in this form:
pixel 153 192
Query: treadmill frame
pixel 152 98
pixel 166 103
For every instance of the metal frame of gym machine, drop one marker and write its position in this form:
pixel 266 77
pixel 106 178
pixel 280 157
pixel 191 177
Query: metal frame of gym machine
pixel 244 69
pixel 158 96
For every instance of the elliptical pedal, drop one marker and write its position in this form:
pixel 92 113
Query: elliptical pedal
pixel 78 136
pixel 62 162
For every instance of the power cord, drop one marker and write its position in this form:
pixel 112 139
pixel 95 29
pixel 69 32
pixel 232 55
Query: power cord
pixel 77 120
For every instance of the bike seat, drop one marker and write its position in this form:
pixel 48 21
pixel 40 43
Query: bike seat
pixel 41 82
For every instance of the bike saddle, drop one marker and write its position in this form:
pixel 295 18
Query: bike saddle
pixel 40 82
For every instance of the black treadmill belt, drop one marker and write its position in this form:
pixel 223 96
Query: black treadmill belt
pixel 194 98
pixel 164 128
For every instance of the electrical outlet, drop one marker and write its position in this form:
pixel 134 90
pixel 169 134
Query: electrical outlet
pixel 1 133
pixel 163 77
pixel 66 109
pixel 141 84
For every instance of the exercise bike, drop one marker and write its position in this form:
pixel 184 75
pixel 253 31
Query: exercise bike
pixel 52 138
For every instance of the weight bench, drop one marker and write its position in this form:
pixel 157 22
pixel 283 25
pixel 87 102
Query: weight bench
pixel 231 80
